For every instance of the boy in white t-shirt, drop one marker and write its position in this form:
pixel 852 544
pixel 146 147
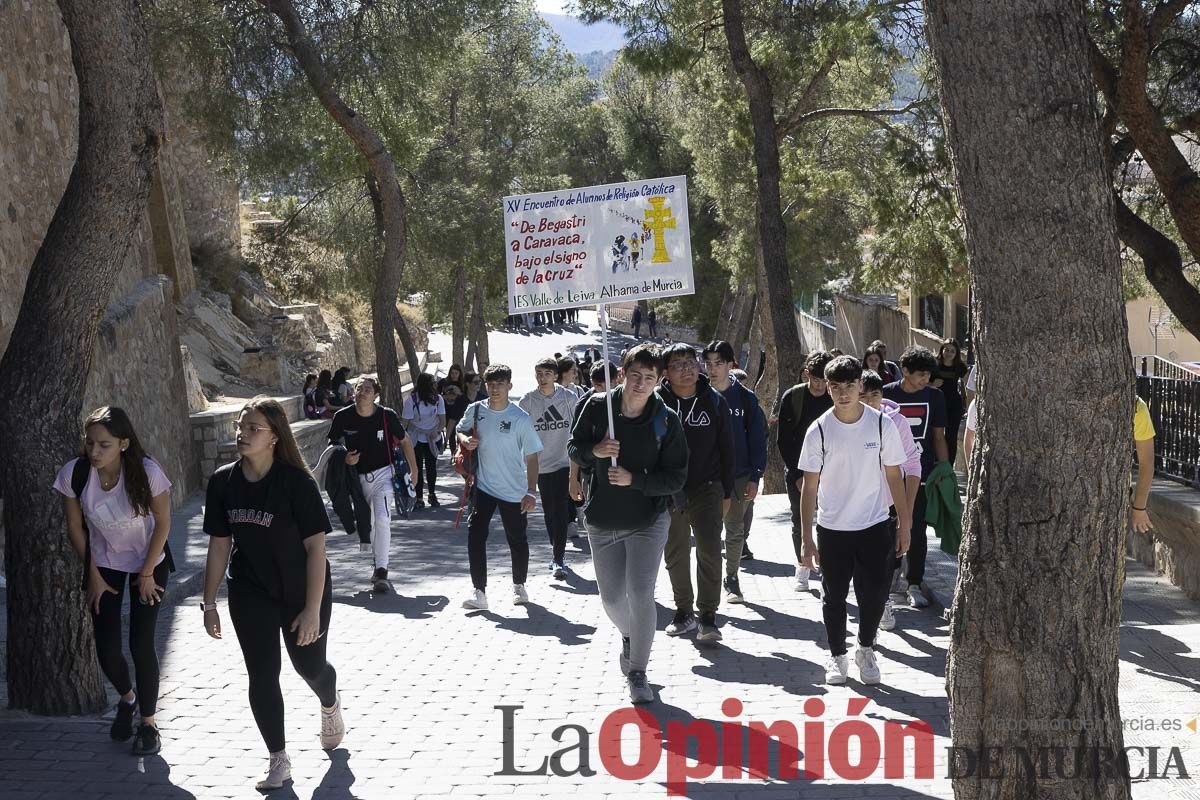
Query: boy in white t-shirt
pixel 851 461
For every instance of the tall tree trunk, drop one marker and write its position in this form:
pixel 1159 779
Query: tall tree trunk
pixel 406 340
pixel 51 657
pixel 410 347
pixel 745 323
pixel 725 317
pixel 1046 284
pixel 754 341
pixel 777 313
pixel 383 170
pixel 481 332
pixel 769 387
pixel 458 323
pixel 473 328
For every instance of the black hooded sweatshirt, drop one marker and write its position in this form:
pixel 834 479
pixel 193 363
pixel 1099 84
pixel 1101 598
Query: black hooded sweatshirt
pixel 708 426
pixel 653 448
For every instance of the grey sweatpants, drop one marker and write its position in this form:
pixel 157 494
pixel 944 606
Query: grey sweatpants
pixel 627 563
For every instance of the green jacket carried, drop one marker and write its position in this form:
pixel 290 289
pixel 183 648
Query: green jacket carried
pixel 943 509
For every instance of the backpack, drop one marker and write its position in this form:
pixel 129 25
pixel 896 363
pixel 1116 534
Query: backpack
pixel 465 460
pixel 80 474
pixel 310 404
pixel 797 401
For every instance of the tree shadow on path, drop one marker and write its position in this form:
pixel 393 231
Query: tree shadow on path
pixel 793 675
pixel 777 625
pixel 542 622
pixel 574 584
pixel 418 607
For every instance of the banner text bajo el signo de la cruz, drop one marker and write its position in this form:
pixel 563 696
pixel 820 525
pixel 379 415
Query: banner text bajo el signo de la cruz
pixel 598 244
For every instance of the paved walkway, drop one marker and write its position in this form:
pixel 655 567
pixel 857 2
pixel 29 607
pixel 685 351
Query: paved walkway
pixel 421 679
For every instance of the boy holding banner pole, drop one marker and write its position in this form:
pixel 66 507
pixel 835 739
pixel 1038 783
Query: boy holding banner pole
pixel 626 508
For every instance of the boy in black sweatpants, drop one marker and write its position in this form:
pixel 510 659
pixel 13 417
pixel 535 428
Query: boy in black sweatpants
pixel 847 453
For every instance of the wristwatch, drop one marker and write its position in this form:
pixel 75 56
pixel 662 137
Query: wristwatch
pixel 206 607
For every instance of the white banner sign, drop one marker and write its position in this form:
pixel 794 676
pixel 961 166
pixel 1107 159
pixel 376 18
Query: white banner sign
pixel 599 244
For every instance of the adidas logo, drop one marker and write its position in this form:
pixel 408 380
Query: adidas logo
pixel 552 420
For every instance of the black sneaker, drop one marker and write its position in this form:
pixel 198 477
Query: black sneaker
pixel 433 501
pixel 684 622
pixel 624 657
pixel 122 727
pixel 709 632
pixel 418 504
pixel 733 590
pixel 147 742
pixel 746 554
pixel 379 579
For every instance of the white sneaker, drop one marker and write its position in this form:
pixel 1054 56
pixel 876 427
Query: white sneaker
pixel 364 547
pixel 917 598
pixel 477 600
pixel 888 621
pixel 837 670
pixel 520 596
pixel 279 772
pixel 868 669
pixel 800 579
pixel 333 728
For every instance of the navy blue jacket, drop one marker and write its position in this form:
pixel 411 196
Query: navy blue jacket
pixel 749 431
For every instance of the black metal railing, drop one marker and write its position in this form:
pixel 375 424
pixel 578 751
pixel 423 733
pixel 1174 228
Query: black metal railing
pixel 1175 409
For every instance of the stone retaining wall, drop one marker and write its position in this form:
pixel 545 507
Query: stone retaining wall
pixel 138 366
pixel 1173 547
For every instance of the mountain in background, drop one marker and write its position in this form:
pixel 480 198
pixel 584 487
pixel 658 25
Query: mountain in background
pixel 579 38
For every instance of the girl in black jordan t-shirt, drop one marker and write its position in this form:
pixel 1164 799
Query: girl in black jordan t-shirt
pixel 266 508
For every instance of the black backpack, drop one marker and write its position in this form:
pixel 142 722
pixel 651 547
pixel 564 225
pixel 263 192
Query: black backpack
pixel 80 474
pixel 310 405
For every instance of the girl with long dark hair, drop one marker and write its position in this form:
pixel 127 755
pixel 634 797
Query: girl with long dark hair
pixel 948 377
pixel 876 359
pixel 454 375
pixel 424 416
pixel 343 392
pixel 266 508
pixel 125 499
pixel 324 398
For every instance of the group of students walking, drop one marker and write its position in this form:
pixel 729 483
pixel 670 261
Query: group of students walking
pixel 679 461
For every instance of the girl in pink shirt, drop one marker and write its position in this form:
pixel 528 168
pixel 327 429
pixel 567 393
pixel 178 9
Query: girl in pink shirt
pixel 118 508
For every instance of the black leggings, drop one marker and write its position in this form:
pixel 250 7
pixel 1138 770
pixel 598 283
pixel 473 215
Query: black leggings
pixel 258 621
pixel 426 467
pixel 864 558
pixel 142 619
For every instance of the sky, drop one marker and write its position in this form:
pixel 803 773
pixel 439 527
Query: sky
pixel 551 6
